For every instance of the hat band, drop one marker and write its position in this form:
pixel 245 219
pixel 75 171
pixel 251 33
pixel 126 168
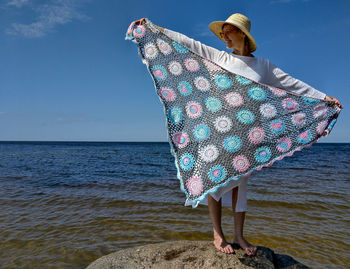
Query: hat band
pixel 238 24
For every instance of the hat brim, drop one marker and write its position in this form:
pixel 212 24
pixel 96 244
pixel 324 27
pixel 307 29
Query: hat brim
pixel 216 28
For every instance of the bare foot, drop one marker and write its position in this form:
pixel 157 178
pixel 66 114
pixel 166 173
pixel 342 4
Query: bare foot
pixel 249 249
pixel 222 245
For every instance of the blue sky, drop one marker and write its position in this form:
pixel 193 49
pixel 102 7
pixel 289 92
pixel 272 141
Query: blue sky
pixel 67 73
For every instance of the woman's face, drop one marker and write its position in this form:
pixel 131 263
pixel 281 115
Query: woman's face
pixel 232 36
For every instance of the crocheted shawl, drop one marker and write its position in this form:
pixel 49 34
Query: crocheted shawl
pixel 222 126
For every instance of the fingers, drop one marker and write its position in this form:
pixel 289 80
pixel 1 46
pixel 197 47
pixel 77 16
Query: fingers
pixel 140 21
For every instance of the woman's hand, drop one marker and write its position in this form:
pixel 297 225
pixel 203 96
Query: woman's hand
pixel 140 21
pixel 143 19
pixel 328 98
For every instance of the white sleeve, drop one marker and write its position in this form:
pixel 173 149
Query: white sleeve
pixel 196 46
pixel 279 79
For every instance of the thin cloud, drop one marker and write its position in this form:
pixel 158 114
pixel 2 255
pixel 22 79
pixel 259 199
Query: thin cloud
pixel 17 3
pixel 202 29
pixel 48 17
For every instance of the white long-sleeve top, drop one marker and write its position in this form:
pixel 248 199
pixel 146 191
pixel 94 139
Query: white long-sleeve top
pixel 257 69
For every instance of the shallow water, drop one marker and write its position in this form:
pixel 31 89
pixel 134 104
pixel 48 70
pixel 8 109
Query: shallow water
pixel 63 205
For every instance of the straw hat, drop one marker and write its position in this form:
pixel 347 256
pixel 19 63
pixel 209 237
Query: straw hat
pixel 238 20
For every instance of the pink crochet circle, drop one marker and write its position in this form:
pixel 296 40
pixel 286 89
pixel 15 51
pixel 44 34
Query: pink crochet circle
pixel 181 139
pixel 139 31
pixel 167 94
pixel 241 163
pixel 290 104
pixel 234 99
pixel 193 109
pixel 256 135
pixel 299 119
pixel 194 185
pixel 191 64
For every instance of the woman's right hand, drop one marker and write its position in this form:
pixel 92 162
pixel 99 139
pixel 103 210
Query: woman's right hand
pixel 140 21
pixel 329 98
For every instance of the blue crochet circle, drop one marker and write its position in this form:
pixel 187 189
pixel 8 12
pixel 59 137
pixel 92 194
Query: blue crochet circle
pixel 175 115
pixel 245 116
pixel 242 80
pixel 159 72
pixel 201 132
pixel 185 88
pixel 257 93
pixel 232 143
pixel 262 154
pixel 223 81
pixel 277 126
pixel 179 47
pixel 217 173
pixel 310 101
pixel 213 104
pixel 187 161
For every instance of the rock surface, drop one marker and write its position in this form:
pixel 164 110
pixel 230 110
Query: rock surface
pixel 191 254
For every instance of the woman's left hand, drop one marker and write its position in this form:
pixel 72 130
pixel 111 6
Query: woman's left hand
pixel 329 98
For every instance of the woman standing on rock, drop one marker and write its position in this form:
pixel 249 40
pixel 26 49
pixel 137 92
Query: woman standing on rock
pixel 235 32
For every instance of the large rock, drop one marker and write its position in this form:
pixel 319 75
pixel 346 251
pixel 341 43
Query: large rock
pixel 191 254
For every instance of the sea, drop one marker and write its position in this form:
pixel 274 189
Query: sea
pixel 65 204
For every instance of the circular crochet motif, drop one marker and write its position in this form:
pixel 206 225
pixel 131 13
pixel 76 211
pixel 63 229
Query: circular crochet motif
pixel 202 83
pixel 320 111
pixel 257 94
pixel 278 92
pixel 187 161
pixel 321 127
pixel 167 94
pixel 193 109
pixel 268 110
pixel 262 154
pixel 290 104
pixel 245 116
pixel 310 101
pixel 240 163
pixel 283 144
pixel 209 153
pixel 256 135
pixel 223 124
pixel 139 31
pixel 277 126
pixel 223 81
pixel 232 143
pixel 150 51
pixel 181 139
pixel 304 137
pixel 175 68
pixel 242 80
pixel 184 88
pixel 217 173
pixel 179 48
pixel 194 185
pixel 299 119
pixel 159 72
pixel 234 99
pixel 164 47
pixel 201 132
pixel 213 104
pixel 175 114
pixel 191 64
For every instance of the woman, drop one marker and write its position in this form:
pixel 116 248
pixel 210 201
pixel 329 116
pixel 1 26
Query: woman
pixel 235 32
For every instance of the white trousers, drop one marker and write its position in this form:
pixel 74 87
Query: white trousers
pixel 226 194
